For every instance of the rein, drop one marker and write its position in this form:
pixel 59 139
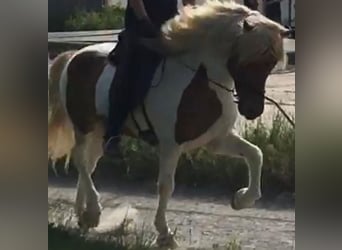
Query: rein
pixel 234 93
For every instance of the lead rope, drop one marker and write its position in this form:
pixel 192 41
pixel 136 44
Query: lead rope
pixel 233 91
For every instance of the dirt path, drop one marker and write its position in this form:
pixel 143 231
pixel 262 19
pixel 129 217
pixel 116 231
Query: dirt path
pixel 200 222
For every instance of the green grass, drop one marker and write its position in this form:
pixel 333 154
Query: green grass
pixel 61 238
pixel 234 244
pixel 108 18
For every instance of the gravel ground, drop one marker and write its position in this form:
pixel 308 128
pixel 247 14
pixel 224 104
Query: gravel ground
pixel 201 221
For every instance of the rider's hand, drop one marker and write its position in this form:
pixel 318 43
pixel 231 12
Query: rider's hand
pixel 147 28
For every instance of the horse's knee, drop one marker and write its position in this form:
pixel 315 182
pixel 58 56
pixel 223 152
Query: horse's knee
pixel 253 154
pixel 166 184
pixel 243 148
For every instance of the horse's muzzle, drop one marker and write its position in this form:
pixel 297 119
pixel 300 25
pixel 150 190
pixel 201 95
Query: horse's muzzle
pixel 251 110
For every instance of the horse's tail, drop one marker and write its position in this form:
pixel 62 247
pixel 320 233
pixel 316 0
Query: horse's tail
pixel 61 137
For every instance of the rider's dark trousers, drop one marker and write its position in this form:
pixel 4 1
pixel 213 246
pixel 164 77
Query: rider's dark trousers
pixel 131 89
pixel 137 66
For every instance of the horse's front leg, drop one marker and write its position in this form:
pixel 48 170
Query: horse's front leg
pixel 234 145
pixel 168 160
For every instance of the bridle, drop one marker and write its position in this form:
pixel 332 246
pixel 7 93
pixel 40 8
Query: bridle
pixel 234 93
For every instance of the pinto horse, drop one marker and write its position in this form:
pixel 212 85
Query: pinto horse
pixel 208 50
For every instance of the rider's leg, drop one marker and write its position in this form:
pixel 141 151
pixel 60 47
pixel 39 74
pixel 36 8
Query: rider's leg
pixel 132 92
pixel 147 62
pixel 119 90
pixel 119 107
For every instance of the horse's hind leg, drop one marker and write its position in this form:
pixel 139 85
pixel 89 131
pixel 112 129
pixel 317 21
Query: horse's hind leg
pixel 85 155
pixel 167 168
pixel 235 145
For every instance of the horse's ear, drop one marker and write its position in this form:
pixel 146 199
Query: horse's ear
pixel 247 26
pixel 285 33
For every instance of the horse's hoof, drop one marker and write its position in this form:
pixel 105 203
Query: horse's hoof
pixel 89 220
pixel 84 229
pixel 167 241
pixel 241 199
pixel 233 203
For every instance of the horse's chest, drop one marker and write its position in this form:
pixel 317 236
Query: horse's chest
pixel 198 110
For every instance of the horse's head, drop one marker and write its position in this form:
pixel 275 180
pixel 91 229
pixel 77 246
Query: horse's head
pixel 254 53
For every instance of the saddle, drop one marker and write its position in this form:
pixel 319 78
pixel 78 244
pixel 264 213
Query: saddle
pixel 119 57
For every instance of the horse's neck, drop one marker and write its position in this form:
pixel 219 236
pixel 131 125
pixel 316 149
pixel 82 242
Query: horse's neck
pixel 215 66
pixel 189 61
pixel 217 70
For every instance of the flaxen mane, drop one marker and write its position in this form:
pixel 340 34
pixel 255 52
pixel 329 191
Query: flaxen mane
pixel 218 25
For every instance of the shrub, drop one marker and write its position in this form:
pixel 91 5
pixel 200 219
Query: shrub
pixel 108 18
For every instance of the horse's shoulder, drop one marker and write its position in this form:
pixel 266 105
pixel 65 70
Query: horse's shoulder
pixel 199 108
